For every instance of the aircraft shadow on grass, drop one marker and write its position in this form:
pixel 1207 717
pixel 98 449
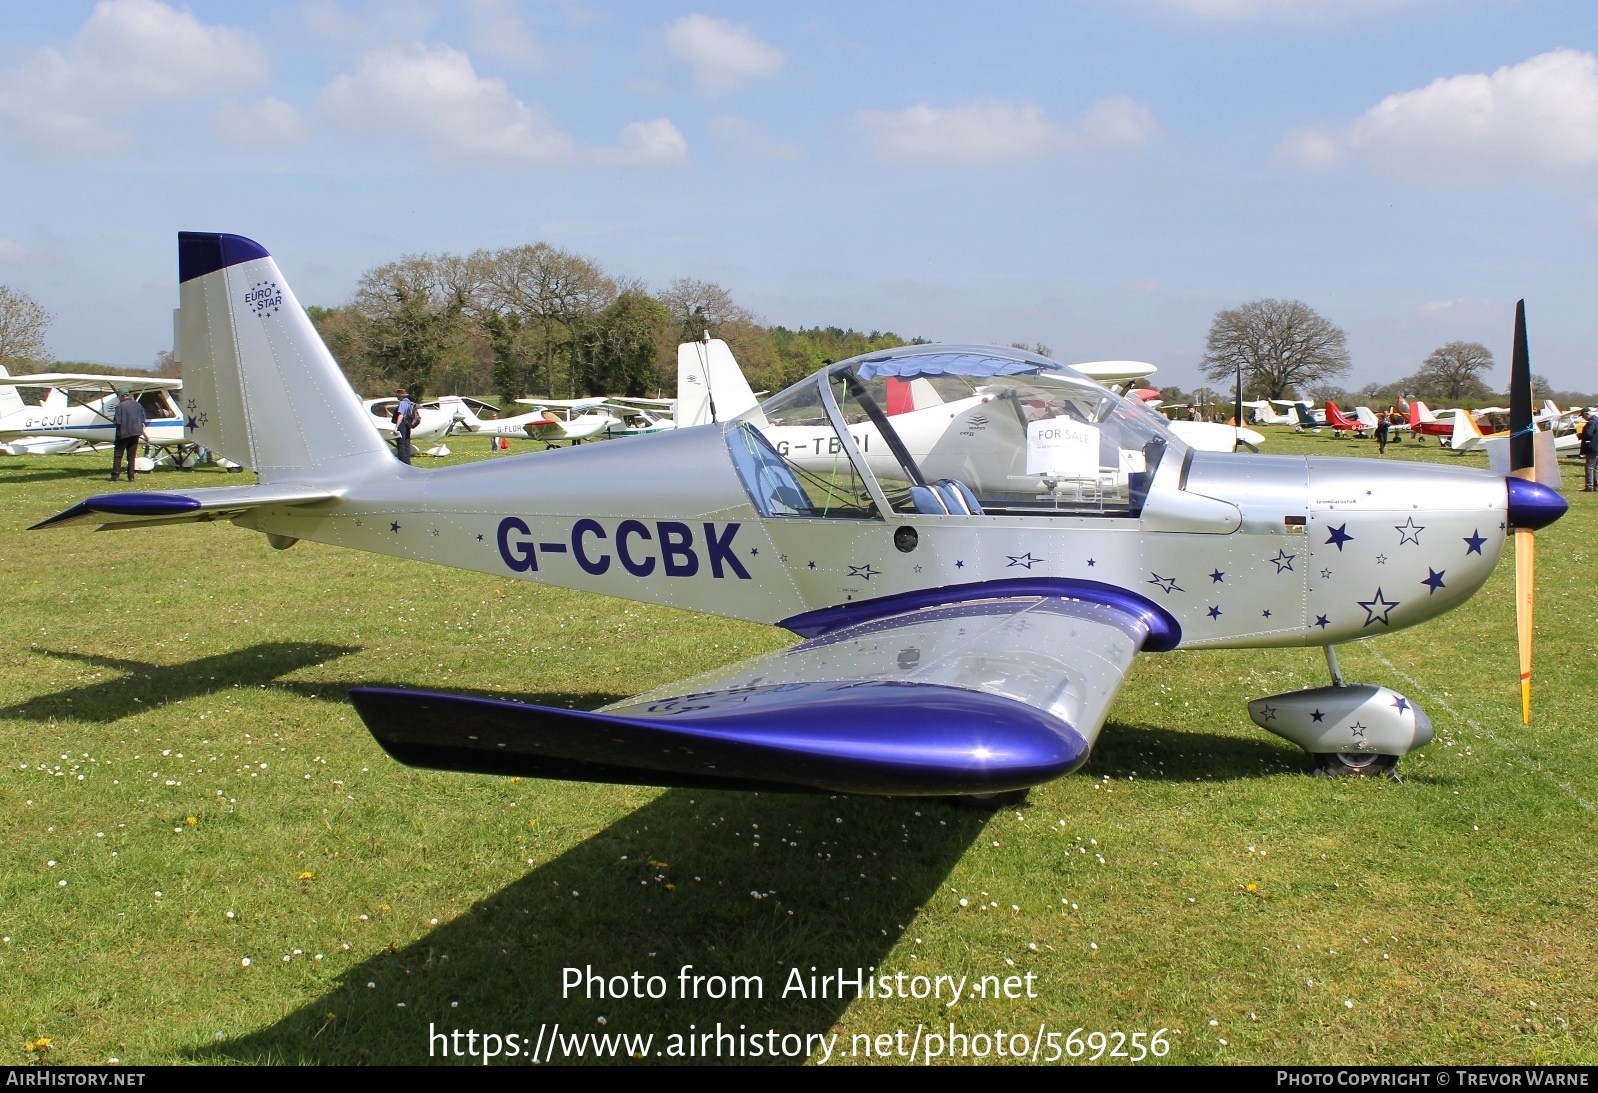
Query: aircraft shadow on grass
pixel 1160 755
pixel 143 685
pixel 678 882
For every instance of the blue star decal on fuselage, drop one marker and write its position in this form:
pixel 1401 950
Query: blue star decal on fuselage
pixel 864 571
pixel 479 538
pixel 1092 562
pixel 1217 576
pixel 1400 703
pixel 1408 532
pixel 1339 536
pixel 958 564
pixel 1317 716
pixel 1283 560
pixel 1214 612
pixel 1166 584
pixel 1474 541
pixel 1025 561
pixel 394 526
pixel 1266 613
pixel 1322 621
pixel 1378 608
pixel 810 565
pixel 1358 730
pixel 1434 580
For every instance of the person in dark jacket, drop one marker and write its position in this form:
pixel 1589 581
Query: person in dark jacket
pixel 406 418
pixel 1589 449
pixel 129 422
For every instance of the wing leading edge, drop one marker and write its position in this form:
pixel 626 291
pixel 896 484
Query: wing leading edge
pixel 970 698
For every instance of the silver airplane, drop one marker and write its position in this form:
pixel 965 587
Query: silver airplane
pixel 968 613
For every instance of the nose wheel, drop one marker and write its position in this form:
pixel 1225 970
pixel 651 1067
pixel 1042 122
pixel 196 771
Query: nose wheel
pixel 1365 765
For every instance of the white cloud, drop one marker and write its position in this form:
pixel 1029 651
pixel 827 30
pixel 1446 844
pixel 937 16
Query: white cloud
pixel 1536 117
pixel 496 29
pixel 998 132
pixel 1274 9
pixel 259 124
pixel 721 54
pixel 128 54
pixel 989 132
pixel 374 22
pixel 1118 123
pixel 743 138
pixel 435 97
pixel 646 144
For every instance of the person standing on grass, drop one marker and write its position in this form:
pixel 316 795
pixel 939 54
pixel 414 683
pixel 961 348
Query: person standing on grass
pixel 406 418
pixel 1589 449
pixel 129 422
pixel 1381 434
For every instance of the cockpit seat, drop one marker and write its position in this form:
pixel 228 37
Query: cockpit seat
pixel 945 497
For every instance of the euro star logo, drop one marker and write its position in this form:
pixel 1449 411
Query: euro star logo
pixel 264 298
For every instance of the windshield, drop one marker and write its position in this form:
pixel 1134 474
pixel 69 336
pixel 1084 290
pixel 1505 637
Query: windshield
pixel 949 429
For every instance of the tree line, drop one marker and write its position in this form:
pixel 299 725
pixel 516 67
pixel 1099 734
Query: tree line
pixel 542 321
pixel 538 320
pixel 1285 349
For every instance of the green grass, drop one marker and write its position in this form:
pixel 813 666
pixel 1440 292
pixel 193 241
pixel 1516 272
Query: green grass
pixel 1455 911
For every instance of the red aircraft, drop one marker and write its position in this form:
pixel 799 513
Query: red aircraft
pixel 1341 423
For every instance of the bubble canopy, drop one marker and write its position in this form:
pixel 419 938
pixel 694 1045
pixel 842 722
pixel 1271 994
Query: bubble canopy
pixel 949 430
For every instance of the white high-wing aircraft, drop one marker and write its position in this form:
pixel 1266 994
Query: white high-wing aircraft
pixel 83 409
pixel 447 416
pixel 11 403
pixel 567 421
pixel 969 612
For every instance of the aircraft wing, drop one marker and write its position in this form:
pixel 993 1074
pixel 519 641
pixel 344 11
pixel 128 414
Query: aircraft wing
pixel 663 403
pixel 139 509
pixel 1115 371
pixel 565 403
pixel 80 382
pixel 974 697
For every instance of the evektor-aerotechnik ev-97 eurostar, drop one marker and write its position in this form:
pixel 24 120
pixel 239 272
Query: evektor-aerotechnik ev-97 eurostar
pixel 971 596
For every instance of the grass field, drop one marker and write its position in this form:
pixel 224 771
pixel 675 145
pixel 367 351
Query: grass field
pixel 207 859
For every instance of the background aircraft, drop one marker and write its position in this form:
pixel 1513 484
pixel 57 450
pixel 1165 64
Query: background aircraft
pixel 567 421
pixel 82 411
pixel 967 626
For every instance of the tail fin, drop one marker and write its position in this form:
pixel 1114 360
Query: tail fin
pixel 710 385
pixel 10 401
pixel 1465 435
pixel 259 387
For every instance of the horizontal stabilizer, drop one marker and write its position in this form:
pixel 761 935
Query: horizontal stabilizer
pixel 134 509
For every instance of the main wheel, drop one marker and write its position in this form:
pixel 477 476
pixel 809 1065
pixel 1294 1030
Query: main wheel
pixel 1365 765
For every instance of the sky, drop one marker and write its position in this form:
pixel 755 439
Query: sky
pixel 1100 176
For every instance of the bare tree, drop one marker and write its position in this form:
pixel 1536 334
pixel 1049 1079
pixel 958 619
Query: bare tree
pixel 553 290
pixel 1455 371
pixel 702 305
pixel 1282 345
pixel 22 326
